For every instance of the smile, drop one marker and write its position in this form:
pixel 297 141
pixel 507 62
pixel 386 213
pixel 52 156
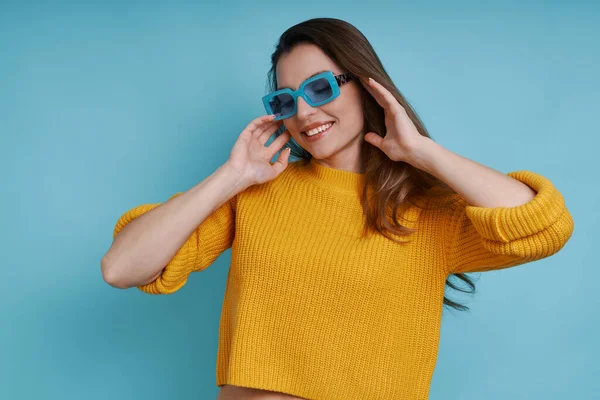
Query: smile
pixel 318 135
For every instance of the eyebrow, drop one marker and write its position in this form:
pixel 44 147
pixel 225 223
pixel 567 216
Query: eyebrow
pixel 316 73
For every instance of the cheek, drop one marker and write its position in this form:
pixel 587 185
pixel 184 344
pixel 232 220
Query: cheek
pixel 294 131
pixel 350 114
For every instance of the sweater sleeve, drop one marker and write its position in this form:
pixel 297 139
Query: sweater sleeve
pixel 481 239
pixel 213 236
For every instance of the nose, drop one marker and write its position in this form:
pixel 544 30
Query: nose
pixel 304 110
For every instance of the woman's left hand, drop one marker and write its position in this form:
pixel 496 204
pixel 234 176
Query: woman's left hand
pixel 401 138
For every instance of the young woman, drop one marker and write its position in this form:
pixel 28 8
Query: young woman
pixel 340 258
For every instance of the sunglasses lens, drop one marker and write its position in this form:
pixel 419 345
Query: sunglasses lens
pixel 319 90
pixel 282 104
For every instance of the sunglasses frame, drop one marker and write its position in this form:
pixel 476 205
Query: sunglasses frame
pixel 335 81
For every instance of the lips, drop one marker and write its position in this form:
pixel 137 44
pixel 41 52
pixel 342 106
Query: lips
pixel 319 135
pixel 316 126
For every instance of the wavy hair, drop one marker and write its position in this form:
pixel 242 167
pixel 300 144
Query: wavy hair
pixel 390 185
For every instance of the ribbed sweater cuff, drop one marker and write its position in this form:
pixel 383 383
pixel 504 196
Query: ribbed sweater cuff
pixel 175 275
pixel 505 224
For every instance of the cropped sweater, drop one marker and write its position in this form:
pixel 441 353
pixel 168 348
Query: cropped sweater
pixel 315 310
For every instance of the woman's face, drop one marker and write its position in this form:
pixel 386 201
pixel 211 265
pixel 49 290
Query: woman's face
pixel 342 143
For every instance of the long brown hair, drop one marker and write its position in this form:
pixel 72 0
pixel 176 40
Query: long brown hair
pixel 390 185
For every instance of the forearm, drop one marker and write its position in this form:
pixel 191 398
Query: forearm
pixel 479 185
pixel 145 245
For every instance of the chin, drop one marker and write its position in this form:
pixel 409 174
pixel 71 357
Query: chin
pixel 321 153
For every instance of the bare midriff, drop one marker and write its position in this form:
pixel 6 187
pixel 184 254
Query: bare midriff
pixel 231 392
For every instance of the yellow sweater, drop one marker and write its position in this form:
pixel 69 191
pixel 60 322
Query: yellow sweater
pixel 316 311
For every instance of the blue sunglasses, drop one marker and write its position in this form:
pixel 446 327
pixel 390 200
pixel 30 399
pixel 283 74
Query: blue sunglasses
pixel 316 91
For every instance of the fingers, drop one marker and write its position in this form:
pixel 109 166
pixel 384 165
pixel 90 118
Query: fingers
pixel 278 143
pixel 282 160
pixel 256 123
pixel 264 132
pixel 382 96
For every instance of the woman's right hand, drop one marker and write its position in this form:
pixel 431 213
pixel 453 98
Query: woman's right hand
pixel 251 158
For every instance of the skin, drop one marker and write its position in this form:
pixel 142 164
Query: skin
pixel 340 149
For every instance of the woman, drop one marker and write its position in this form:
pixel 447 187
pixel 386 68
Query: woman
pixel 339 259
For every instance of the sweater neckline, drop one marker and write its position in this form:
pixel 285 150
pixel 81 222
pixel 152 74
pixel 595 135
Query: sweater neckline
pixel 335 179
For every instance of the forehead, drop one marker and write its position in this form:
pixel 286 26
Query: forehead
pixel 301 63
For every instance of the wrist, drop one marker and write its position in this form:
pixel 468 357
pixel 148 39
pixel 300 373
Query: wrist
pixel 424 154
pixel 236 176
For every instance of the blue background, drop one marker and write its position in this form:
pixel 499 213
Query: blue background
pixel 107 106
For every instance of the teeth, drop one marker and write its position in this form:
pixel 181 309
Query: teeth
pixel 321 128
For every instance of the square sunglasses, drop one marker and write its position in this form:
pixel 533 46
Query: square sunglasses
pixel 316 91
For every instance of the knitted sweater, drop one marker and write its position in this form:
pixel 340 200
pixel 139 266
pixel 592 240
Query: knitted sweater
pixel 313 309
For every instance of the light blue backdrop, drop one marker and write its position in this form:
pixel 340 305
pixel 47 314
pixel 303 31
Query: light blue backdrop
pixel 104 107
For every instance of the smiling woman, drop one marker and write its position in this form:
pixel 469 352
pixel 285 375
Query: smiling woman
pixel 365 134
pixel 339 260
